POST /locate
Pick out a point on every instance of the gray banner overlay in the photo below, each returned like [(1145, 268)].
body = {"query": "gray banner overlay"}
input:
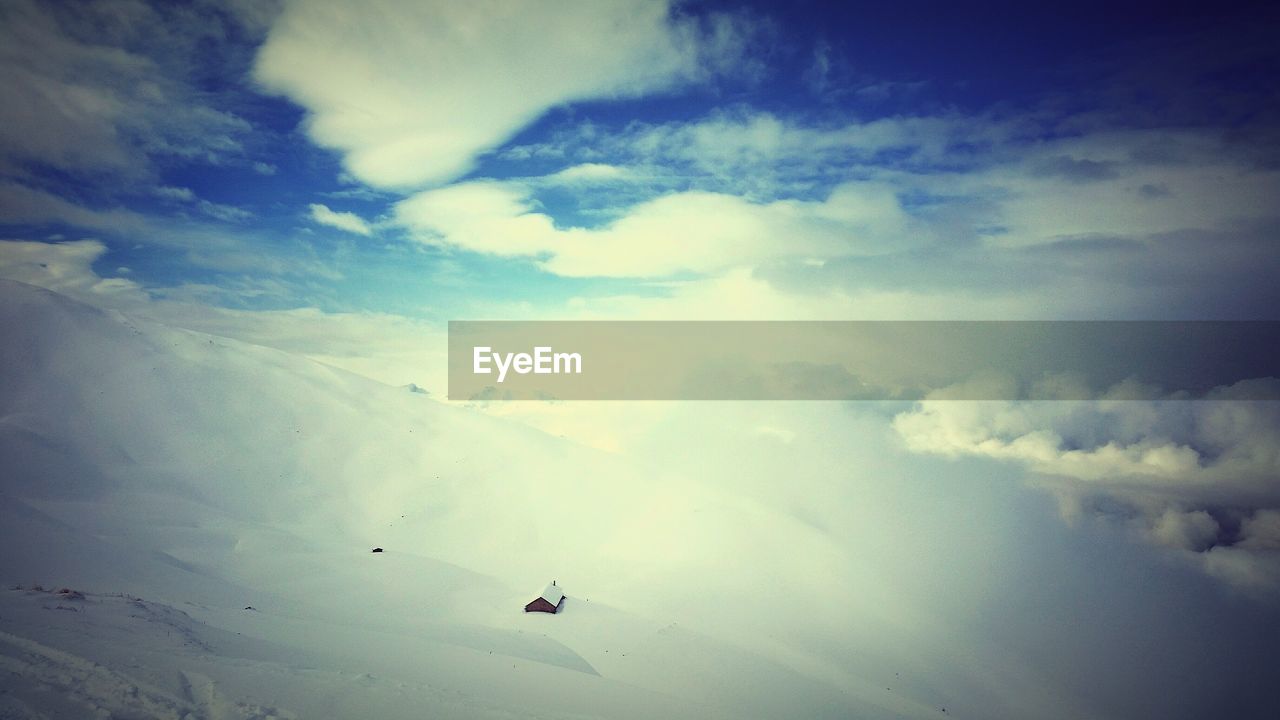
[(1035, 360)]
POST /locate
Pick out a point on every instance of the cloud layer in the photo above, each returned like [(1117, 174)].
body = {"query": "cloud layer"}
[(1200, 477)]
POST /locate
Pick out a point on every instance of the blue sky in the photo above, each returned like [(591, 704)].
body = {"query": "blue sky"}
[(284, 158)]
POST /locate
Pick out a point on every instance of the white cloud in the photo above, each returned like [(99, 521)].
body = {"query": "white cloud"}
[(218, 211), (681, 232), (590, 173), (349, 222), (169, 192), (724, 141), (412, 92), (66, 268)]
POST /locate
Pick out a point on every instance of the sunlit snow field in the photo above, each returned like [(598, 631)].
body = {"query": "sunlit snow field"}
[(187, 526), (177, 479)]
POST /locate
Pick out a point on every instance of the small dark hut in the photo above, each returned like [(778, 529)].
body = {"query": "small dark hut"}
[(550, 601)]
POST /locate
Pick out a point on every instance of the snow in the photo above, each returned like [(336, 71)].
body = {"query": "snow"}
[(551, 593), (174, 478)]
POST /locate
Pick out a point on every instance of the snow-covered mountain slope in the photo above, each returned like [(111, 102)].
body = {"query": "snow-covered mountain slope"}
[(177, 479)]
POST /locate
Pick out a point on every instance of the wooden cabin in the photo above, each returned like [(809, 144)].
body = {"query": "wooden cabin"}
[(550, 601)]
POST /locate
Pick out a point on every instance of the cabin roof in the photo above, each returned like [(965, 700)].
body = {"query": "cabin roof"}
[(552, 594)]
